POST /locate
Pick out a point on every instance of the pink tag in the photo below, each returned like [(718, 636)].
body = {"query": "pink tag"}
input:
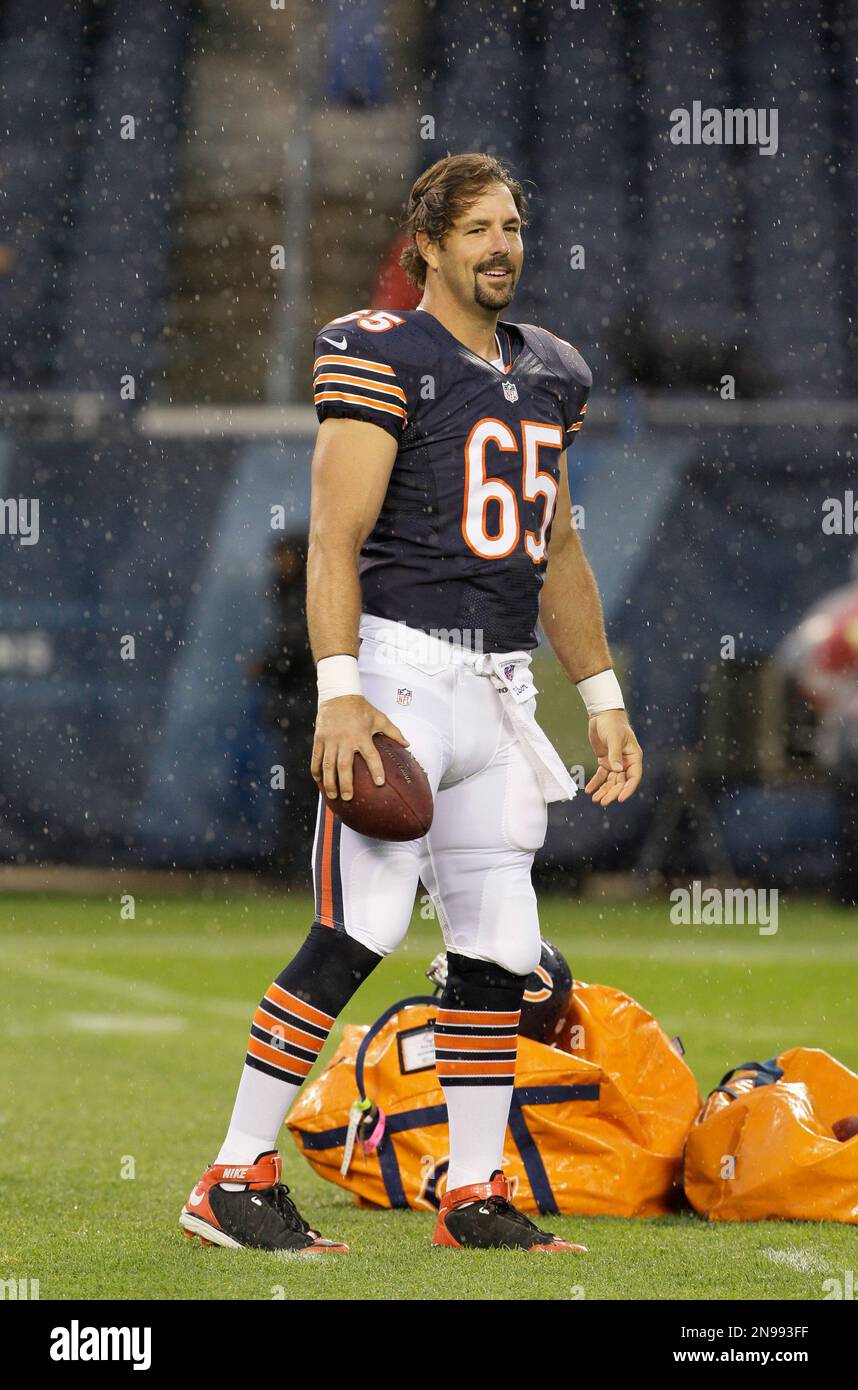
[(368, 1146)]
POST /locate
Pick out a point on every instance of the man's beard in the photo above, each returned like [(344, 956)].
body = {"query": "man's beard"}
[(493, 299), (499, 296)]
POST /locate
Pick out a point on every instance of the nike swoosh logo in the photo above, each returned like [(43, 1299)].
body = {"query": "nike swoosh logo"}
[(195, 1199), (334, 342)]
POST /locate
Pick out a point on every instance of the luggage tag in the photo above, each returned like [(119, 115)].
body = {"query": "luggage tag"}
[(357, 1112)]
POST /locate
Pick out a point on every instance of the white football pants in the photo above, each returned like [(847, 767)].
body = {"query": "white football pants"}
[(490, 812)]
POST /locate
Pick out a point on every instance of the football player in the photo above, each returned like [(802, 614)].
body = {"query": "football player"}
[(441, 532)]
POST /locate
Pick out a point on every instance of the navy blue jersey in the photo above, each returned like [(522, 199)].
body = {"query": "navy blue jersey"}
[(459, 547)]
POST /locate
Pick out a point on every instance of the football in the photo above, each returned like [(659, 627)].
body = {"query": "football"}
[(401, 809), (846, 1128)]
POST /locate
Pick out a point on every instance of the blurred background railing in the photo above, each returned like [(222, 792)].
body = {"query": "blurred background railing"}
[(706, 540)]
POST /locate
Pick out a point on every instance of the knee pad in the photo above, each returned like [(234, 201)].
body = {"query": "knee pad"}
[(328, 969), (520, 954), (481, 985)]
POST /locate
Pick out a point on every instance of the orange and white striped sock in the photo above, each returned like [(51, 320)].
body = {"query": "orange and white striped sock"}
[(476, 1045), (289, 1030)]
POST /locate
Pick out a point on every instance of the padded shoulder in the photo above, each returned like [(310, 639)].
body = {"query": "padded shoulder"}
[(386, 335), (559, 356)]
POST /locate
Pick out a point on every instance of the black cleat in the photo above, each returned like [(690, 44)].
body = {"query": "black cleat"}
[(482, 1217), (260, 1217)]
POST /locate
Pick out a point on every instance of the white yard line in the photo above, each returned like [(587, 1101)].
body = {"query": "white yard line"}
[(804, 1261), (759, 950), (755, 950), (173, 945), (123, 1023), (126, 991), (132, 992), (64, 1023)]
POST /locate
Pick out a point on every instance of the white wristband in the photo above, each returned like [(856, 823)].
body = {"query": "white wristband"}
[(337, 675), (601, 692)]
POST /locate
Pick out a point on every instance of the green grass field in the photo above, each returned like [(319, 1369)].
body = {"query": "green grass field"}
[(126, 1038)]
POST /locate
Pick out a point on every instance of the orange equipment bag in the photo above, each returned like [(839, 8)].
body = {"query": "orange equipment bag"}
[(596, 1124), (763, 1146)]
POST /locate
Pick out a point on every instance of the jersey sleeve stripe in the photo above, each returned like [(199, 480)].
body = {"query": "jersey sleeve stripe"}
[(363, 384), (337, 359), (364, 401), (576, 425)]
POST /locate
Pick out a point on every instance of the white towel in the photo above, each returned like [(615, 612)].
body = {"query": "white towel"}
[(513, 680)]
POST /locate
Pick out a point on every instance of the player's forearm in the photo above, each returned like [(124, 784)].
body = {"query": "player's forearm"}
[(570, 611), (333, 599)]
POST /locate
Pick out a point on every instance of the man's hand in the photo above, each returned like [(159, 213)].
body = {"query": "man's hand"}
[(345, 726), (620, 758)]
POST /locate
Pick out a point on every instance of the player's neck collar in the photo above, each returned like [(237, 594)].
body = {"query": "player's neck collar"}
[(513, 337)]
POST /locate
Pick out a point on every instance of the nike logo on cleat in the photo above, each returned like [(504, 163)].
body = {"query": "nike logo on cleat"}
[(230, 1173), (195, 1198)]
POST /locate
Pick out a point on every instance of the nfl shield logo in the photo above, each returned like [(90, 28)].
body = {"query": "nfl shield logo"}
[(509, 672), (403, 696), (509, 391)]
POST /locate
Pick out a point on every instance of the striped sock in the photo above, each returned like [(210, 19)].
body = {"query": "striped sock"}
[(286, 1036), (476, 1044), (289, 1030)]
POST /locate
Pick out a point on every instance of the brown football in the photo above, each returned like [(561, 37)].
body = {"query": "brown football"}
[(401, 809), (846, 1128)]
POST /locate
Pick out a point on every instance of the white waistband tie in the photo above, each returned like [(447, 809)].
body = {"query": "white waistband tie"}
[(512, 678)]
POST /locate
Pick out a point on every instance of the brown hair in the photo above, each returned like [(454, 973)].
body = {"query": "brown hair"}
[(442, 193)]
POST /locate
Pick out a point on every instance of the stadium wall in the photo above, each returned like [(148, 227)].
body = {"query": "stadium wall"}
[(164, 535)]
